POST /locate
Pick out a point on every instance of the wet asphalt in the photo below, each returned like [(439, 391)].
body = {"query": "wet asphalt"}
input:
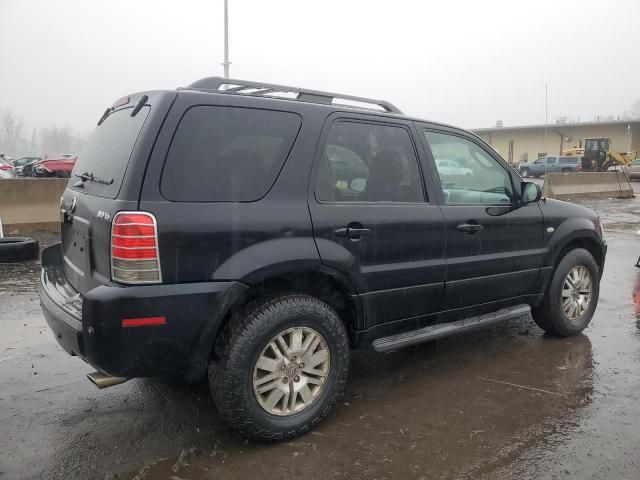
[(508, 402)]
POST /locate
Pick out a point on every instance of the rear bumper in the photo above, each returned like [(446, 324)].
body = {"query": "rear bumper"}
[(90, 325)]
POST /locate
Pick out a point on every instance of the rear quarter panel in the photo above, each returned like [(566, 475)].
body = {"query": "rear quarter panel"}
[(244, 241)]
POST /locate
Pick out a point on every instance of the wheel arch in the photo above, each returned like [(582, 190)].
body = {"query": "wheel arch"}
[(587, 241), (314, 279)]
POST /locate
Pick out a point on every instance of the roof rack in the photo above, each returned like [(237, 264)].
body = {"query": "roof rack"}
[(234, 86)]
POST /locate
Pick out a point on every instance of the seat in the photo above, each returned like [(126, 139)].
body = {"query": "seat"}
[(385, 175)]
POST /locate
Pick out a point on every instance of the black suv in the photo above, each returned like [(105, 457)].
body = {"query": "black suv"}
[(256, 233)]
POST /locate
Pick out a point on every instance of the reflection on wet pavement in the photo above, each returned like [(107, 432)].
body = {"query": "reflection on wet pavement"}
[(509, 402), (636, 296), (419, 412)]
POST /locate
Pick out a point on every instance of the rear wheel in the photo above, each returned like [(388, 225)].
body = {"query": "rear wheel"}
[(572, 296), (280, 366)]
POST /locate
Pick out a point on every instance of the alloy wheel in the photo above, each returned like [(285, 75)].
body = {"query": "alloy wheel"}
[(577, 292), (291, 371)]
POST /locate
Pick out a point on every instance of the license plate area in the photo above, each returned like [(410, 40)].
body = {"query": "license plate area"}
[(76, 250)]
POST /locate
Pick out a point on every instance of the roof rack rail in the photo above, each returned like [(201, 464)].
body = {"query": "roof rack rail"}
[(230, 85)]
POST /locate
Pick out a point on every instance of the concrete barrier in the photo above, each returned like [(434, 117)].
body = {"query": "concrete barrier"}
[(28, 204), (564, 186)]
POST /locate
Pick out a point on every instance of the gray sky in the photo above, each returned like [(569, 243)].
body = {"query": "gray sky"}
[(468, 63)]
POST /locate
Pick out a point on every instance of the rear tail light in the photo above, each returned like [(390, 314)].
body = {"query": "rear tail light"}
[(134, 248), (5, 167)]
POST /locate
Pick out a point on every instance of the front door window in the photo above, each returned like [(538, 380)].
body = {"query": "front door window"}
[(468, 174)]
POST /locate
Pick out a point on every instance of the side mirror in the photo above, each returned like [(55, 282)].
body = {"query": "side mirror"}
[(530, 192)]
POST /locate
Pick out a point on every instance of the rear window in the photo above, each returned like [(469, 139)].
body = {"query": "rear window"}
[(107, 152), (223, 154)]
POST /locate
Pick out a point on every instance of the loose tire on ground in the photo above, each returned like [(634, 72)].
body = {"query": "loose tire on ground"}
[(232, 371), (17, 249), (550, 315)]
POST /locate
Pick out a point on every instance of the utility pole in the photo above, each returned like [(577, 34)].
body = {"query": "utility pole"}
[(226, 62), (546, 115)]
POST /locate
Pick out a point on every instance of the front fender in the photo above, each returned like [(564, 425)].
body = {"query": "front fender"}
[(570, 230)]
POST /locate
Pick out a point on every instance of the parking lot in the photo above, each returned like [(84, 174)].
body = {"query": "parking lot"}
[(508, 402)]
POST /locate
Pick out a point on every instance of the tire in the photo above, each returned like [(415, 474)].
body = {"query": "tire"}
[(233, 371), (525, 173), (610, 164), (17, 249), (550, 314)]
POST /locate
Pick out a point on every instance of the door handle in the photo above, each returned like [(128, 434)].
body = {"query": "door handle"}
[(353, 233), (358, 232), (470, 228)]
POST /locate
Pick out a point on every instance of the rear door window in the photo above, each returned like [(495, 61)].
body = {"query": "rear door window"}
[(107, 152), (368, 162), (222, 154), (568, 160)]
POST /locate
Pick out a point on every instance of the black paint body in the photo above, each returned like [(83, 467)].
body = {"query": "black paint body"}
[(415, 267)]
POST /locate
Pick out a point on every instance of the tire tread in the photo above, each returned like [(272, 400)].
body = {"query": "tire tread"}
[(548, 315), (228, 366)]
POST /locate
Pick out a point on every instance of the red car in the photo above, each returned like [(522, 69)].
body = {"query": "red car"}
[(6, 169), (58, 166)]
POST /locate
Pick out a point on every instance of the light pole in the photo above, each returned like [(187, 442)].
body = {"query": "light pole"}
[(546, 114), (226, 62)]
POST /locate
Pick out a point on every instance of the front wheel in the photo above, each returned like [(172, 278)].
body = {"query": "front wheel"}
[(525, 173), (280, 366), (611, 166), (571, 298)]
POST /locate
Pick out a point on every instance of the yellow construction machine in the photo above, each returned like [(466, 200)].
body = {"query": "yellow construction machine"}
[(598, 157)]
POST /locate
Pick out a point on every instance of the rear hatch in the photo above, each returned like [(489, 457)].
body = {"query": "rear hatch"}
[(107, 178)]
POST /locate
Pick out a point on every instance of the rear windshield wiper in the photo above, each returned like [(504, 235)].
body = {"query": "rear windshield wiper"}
[(90, 176)]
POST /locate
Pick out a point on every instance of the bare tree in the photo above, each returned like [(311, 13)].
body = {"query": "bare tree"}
[(635, 110), (33, 145), (10, 130), (48, 140)]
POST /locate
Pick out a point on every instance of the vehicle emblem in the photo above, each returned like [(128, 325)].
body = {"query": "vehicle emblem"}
[(73, 205), (103, 215)]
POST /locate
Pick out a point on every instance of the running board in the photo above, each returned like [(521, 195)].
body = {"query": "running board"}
[(433, 332)]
